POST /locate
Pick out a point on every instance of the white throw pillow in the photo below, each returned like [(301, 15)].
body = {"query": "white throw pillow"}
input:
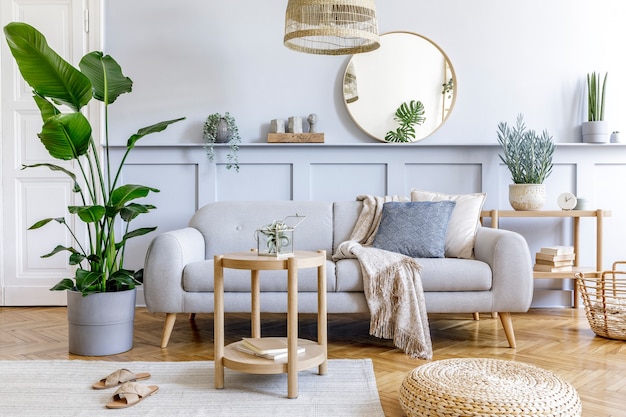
[(464, 220)]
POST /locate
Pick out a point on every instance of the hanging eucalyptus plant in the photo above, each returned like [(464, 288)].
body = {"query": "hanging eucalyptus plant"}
[(212, 136)]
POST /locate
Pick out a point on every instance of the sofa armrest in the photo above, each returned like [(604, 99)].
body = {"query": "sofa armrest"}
[(165, 261), (509, 257)]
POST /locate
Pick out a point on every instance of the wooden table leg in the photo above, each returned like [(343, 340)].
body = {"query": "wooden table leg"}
[(576, 223), (256, 303), (321, 314), (218, 320), (292, 328)]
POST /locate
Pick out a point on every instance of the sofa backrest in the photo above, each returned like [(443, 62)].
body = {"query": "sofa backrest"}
[(229, 226), (345, 214)]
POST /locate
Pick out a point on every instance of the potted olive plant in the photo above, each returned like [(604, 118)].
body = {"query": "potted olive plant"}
[(106, 206), (528, 156), (595, 129)]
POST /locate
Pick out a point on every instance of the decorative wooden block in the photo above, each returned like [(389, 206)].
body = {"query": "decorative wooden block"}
[(295, 138)]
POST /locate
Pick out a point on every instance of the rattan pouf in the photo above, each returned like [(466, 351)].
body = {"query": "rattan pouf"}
[(486, 387)]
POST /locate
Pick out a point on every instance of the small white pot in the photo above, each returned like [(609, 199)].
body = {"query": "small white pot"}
[(527, 196)]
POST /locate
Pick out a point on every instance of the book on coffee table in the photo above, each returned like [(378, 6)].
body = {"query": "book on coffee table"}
[(272, 356), (265, 345)]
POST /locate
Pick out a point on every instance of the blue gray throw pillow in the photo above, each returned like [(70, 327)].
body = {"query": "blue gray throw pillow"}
[(415, 229)]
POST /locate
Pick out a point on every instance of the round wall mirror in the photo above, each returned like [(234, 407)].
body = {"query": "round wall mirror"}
[(407, 67)]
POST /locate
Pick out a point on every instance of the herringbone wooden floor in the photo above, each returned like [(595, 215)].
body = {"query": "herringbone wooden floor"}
[(559, 340)]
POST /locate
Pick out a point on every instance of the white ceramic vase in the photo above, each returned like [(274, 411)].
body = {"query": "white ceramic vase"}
[(527, 196)]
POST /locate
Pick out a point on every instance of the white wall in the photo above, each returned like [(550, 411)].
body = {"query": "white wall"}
[(192, 58), (196, 57)]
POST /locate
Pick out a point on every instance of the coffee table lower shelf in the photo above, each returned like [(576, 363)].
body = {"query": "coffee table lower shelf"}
[(313, 355)]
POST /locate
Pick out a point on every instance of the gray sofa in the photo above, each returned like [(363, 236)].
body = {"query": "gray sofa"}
[(178, 274)]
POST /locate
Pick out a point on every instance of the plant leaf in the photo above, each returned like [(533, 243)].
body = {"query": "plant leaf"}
[(66, 136), (44, 70), (64, 284), (44, 222), (86, 279), (54, 167), (106, 77), (59, 248), (122, 195), (123, 279), (133, 210), (88, 214), (158, 127), (46, 108)]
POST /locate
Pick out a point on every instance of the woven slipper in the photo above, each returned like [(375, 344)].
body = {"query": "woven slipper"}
[(130, 393), (119, 377)]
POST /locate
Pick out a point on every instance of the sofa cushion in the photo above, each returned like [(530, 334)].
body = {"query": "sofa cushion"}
[(438, 275), (416, 229), (464, 220), (198, 277)]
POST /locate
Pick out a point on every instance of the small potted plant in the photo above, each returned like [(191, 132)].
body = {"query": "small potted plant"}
[(528, 156), (595, 129), (222, 129)]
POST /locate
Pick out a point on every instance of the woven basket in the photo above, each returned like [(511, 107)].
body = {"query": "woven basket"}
[(605, 302)]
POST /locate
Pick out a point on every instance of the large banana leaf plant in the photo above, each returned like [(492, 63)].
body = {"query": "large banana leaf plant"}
[(61, 92)]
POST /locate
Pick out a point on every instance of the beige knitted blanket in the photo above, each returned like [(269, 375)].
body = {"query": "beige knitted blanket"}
[(392, 284)]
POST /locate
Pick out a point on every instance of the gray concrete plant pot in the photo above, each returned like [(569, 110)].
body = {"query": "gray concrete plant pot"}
[(101, 324), (596, 132)]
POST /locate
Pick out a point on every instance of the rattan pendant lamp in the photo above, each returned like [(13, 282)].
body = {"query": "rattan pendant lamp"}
[(331, 27)]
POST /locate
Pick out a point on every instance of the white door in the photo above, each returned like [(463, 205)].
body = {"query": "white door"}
[(72, 28)]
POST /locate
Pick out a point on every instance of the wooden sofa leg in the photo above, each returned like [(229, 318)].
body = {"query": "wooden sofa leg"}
[(507, 324), (170, 319), (476, 316)]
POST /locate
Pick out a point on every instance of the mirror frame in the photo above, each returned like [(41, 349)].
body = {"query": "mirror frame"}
[(388, 70)]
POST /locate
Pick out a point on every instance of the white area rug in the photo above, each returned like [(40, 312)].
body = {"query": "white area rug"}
[(63, 388)]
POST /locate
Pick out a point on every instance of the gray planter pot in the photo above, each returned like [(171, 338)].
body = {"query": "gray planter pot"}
[(101, 324), (596, 132)]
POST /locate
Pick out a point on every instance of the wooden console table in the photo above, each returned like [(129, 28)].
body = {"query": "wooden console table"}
[(575, 215)]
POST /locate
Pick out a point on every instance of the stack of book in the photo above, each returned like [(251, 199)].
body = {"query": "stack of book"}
[(555, 259), (273, 348)]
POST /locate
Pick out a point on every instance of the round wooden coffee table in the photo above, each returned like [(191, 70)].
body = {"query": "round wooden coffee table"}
[(315, 353)]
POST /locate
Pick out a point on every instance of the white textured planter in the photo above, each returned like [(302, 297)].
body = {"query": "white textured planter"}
[(100, 324), (596, 132), (527, 196)]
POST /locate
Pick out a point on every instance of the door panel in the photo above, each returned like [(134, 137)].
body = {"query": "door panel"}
[(32, 194)]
